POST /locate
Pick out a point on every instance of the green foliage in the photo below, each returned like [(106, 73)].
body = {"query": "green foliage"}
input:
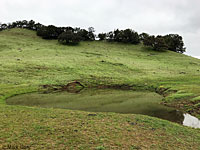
[(143, 36), (124, 36), (102, 36), (157, 43), (197, 105), (172, 42), (69, 38), (91, 34), (175, 43), (48, 32), (195, 99), (177, 96), (83, 34)]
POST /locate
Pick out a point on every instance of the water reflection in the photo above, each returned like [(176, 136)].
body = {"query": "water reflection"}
[(170, 114), (191, 121), (107, 100)]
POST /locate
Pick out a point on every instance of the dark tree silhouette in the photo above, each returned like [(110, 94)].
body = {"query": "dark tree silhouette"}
[(31, 24), (117, 35), (124, 36), (110, 36), (102, 36), (143, 36), (4, 26), (91, 34), (49, 32), (83, 34), (157, 43), (175, 43), (69, 38)]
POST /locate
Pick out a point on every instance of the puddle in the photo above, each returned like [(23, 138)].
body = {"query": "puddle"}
[(107, 100)]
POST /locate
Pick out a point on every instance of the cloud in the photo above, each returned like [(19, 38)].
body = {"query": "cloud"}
[(151, 16)]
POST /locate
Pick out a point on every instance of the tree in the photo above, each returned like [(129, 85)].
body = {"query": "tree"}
[(175, 43), (83, 34), (91, 34), (117, 35), (19, 24), (43, 32), (130, 36), (110, 36), (143, 36), (69, 38), (30, 25), (48, 32), (4, 26), (159, 44), (102, 36), (13, 25), (24, 24)]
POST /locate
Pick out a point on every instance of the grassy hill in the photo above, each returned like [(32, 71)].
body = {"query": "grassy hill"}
[(27, 62)]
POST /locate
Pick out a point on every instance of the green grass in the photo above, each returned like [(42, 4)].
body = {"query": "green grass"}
[(178, 96), (27, 62), (196, 99), (60, 129)]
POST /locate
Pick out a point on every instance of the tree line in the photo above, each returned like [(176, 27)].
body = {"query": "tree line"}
[(172, 42), (70, 35)]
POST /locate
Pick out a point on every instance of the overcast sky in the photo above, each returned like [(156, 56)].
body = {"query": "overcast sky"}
[(151, 16)]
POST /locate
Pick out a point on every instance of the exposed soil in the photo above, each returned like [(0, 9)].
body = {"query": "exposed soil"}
[(72, 87), (185, 106)]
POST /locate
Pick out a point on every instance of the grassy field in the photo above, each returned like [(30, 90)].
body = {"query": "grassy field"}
[(27, 62)]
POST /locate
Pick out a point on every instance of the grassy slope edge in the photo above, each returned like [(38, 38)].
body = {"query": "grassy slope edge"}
[(26, 62)]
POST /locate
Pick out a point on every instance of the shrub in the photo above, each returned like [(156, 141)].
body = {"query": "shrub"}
[(102, 36), (175, 43), (143, 36), (157, 43), (48, 32), (69, 38), (124, 36)]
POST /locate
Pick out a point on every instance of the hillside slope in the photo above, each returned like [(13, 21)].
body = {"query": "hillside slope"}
[(28, 62)]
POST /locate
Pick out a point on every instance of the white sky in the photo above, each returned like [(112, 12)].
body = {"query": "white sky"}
[(151, 16)]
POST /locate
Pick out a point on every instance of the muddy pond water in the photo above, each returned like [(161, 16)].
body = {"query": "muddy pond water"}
[(107, 100)]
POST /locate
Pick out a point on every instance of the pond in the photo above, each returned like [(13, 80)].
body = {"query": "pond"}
[(107, 100)]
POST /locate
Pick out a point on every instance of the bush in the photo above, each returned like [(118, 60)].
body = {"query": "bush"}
[(48, 32), (83, 34), (102, 36), (143, 36), (110, 36), (175, 43), (124, 36), (157, 43), (69, 38), (172, 42), (91, 34)]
